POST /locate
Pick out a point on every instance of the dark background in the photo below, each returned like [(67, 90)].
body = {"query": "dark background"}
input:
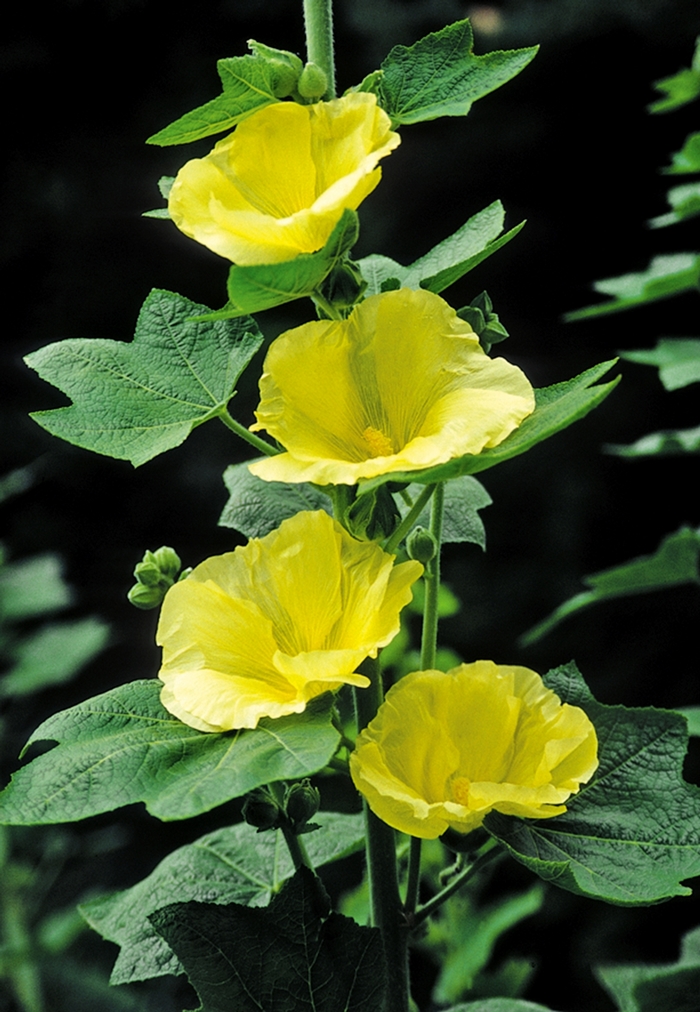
[(567, 145)]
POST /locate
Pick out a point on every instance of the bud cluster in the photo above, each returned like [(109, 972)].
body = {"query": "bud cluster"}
[(155, 574)]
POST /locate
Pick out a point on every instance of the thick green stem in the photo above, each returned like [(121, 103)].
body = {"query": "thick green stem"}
[(318, 22), (250, 437), (386, 909), (427, 662)]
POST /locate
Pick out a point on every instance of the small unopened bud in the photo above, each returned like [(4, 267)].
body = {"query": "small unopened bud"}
[(313, 82), (168, 561), (145, 597), (261, 811), (284, 78), (301, 802), (421, 545), (155, 574)]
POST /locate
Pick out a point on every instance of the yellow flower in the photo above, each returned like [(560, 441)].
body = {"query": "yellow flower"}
[(402, 384), (260, 631), (278, 185), (446, 749)]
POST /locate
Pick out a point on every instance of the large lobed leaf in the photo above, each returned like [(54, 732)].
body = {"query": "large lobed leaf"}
[(556, 408), (134, 401), (123, 747), (440, 75), (464, 497), (667, 275), (675, 562), (632, 835), (445, 263), (289, 956), (668, 987), (231, 865)]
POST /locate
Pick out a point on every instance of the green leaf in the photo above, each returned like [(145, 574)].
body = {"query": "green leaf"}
[(684, 202), (249, 83), (632, 834), (679, 89), (52, 655), (499, 1005), (256, 507), (645, 987), (283, 958), (667, 275), (262, 286), (32, 587), (677, 359), (688, 158), (476, 240), (556, 408), (123, 747), (669, 443), (231, 865), (692, 715), (441, 76), (461, 522), (134, 401), (469, 937), (674, 563)]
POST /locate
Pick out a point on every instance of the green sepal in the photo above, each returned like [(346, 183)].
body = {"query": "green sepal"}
[(684, 202), (648, 987), (293, 954), (262, 286), (679, 89), (447, 262), (687, 159), (256, 507), (123, 747), (674, 563), (440, 75), (249, 83), (556, 408), (676, 358), (372, 517), (667, 275), (135, 401), (631, 835), (484, 322), (668, 443), (230, 865)]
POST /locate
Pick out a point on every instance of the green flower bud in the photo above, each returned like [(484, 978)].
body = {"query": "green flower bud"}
[(344, 286), (145, 597), (284, 78), (168, 561), (313, 82), (261, 810), (421, 545), (301, 802), (484, 322), (374, 516)]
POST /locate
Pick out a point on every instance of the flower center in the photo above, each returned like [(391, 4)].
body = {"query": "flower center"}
[(459, 788), (379, 444)]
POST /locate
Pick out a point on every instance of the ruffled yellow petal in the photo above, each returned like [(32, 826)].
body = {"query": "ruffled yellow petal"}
[(445, 749), (402, 384), (278, 185), (260, 631)]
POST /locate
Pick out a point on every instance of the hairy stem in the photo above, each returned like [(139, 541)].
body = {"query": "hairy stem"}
[(318, 22)]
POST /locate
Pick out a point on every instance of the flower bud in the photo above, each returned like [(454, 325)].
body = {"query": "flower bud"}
[(284, 78), (155, 574), (344, 285), (260, 810), (301, 803), (421, 545), (313, 82), (484, 322), (373, 516)]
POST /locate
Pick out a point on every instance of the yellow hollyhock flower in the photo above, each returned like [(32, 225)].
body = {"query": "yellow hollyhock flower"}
[(402, 384), (260, 631), (278, 185), (446, 749)]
